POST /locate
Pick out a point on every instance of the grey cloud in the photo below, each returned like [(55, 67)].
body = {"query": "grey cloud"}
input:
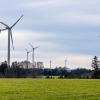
[(72, 26)]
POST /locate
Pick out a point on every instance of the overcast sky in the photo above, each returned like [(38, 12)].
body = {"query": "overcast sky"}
[(62, 28)]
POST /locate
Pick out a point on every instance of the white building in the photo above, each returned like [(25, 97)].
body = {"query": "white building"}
[(40, 65)]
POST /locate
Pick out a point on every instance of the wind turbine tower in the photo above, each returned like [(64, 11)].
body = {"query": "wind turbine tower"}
[(66, 62), (51, 68), (33, 58), (27, 57), (9, 28), (50, 64)]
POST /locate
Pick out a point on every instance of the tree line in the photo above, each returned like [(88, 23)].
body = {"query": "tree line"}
[(61, 72)]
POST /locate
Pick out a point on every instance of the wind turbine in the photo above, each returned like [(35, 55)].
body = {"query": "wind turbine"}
[(65, 62), (9, 28), (27, 56), (50, 64), (33, 49), (51, 68)]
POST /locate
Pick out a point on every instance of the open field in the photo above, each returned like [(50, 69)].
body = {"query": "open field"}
[(49, 89)]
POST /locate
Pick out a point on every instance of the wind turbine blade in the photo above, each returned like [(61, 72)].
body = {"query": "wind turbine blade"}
[(3, 29), (26, 49), (31, 45), (4, 24), (16, 21), (12, 40), (36, 47)]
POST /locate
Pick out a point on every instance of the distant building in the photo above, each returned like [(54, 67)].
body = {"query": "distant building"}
[(24, 64), (40, 65)]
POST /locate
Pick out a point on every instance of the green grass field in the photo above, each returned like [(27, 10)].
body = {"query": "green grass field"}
[(49, 89)]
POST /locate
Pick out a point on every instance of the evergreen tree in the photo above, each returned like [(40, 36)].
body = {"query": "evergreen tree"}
[(96, 67)]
